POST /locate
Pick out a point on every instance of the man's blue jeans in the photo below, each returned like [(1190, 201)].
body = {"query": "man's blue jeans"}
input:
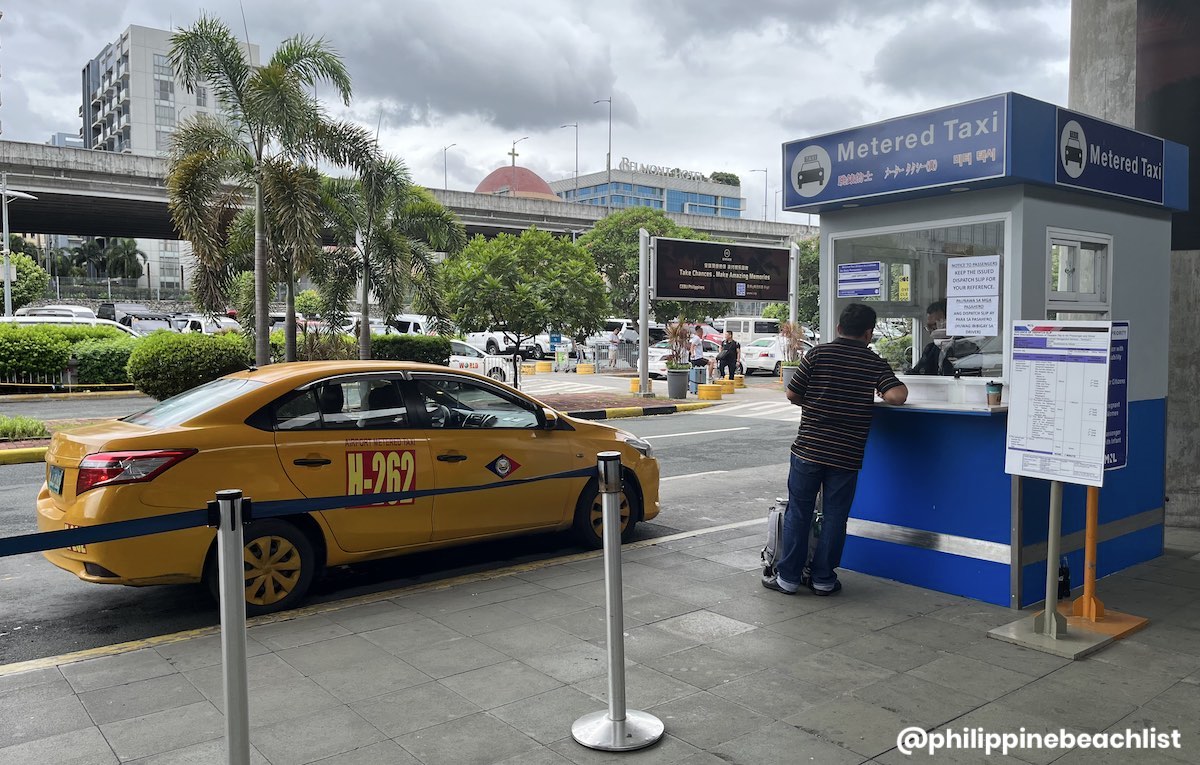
[(805, 480)]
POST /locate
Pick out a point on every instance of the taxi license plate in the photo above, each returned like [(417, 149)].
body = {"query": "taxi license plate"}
[(56, 479)]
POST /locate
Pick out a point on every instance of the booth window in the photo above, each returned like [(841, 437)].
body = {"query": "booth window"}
[(1077, 276), (913, 268)]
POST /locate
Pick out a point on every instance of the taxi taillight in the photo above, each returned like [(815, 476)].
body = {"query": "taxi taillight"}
[(109, 468)]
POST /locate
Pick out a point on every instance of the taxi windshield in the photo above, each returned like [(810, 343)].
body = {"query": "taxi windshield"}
[(194, 402)]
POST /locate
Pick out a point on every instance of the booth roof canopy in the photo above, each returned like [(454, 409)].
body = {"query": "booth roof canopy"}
[(998, 140)]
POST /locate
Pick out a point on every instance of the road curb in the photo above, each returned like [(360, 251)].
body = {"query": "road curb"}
[(617, 412), (22, 456), (72, 396)]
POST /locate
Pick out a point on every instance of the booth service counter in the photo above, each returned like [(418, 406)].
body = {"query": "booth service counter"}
[(954, 224)]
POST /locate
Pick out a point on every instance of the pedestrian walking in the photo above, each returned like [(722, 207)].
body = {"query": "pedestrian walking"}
[(834, 388)]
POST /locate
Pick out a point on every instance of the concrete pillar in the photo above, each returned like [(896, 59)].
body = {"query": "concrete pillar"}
[(1137, 63)]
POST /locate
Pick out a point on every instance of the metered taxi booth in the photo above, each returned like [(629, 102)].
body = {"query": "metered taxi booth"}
[(955, 225)]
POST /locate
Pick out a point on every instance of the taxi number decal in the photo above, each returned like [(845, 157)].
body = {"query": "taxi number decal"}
[(381, 472)]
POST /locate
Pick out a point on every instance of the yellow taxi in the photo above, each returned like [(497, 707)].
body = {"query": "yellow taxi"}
[(322, 429)]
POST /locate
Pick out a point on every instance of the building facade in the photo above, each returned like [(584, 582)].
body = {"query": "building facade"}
[(662, 188), (131, 103)]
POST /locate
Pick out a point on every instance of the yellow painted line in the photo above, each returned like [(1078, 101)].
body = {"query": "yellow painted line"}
[(22, 456), (323, 608), (694, 405)]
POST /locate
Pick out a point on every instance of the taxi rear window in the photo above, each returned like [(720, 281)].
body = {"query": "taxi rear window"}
[(193, 403)]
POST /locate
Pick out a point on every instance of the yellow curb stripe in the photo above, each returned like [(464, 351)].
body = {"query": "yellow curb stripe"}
[(359, 600), (22, 456), (624, 411)]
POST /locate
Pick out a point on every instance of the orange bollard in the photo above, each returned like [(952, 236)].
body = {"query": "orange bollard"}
[(1088, 605)]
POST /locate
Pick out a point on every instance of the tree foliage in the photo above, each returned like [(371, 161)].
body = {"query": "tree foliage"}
[(31, 280), (729, 179), (524, 285), (614, 245), (308, 303), (810, 288), (123, 259)]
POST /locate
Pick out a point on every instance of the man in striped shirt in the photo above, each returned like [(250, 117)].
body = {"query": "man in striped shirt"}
[(835, 388)]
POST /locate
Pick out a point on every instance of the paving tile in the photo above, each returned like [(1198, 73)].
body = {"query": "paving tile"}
[(55, 688), (450, 657), (1168, 721), (164, 731), (474, 740), (305, 739), (818, 629), (773, 694), (590, 624), (705, 594), (120, 702), (500, 684), (1133, 686), (473, 595), (565, 577), (918, 700), (935, 633), (571, 662), (852, 724), (417, 633), (195, 653), (1094, 756), (888, 652), (703, 667), (978, 678), (651, 608), (758, 610), (649, 642), (372, 616), (39, 718), (704, 570), (204, 753), (668, 751), (998, 718), (296, 632), (644, 687), (669, 560), (835, 672), (975, 614), (85, 746), (742, 560), (546, 604), (866, 613), (476, 621), (1057, 702), (1181, 697), (528, 639), (705, 720), (266, 669), (353, 668), (29, 679), (784, 744), (421, 706), (548, 716), (287, 699), (704, 626), (536, 757), (92, 674), (375, 754), (1017, 658)]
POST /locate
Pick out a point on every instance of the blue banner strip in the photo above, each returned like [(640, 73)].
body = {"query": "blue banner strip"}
[(190, 519)]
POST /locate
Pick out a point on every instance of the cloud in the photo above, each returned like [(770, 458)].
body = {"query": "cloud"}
[(823, 114)]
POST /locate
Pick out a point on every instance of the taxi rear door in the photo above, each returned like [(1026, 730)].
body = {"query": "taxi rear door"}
[(483, 434), (350, 435)]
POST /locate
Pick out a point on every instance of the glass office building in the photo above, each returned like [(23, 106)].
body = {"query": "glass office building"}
[(688, 194)]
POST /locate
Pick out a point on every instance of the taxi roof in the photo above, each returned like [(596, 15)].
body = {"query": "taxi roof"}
[(297, 369)]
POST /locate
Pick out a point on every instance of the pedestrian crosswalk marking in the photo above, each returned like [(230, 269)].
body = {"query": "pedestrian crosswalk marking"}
[(535, 387), (766, 410)]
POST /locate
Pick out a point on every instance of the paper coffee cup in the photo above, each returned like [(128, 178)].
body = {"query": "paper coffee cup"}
[(995, 392)]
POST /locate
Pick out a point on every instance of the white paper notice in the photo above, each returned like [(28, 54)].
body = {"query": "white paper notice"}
[(1058, 401), (978, 315), (973, 276)]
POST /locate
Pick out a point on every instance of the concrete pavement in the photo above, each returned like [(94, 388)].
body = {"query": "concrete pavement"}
[(494, 668)]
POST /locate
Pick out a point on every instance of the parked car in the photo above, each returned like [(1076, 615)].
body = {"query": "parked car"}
[(499, 343), (767, 354), (57, 310), (68, 321), (464, 356), (656, 356), (747, 329), (117, 311), (143, 323), (209, 325)]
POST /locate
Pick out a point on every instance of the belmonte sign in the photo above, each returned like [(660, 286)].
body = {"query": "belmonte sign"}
[(670, 172)]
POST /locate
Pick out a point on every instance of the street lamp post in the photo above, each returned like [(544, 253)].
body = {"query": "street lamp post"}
[(7, 195), (608, 156), (576, 126), (766, 177), (512, 189), (445, 173), (776, 210)]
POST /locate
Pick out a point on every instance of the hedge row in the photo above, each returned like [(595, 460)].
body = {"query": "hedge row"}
[(44, 349), (165, 364), (429, 349)]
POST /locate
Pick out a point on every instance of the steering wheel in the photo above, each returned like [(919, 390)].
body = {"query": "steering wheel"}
[(439, 416)]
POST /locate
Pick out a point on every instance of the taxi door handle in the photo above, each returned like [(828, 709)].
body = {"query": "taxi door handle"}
[(451, 457), (311, 461)]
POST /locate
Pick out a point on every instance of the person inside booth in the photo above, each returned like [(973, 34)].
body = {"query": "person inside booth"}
[(930, 362)]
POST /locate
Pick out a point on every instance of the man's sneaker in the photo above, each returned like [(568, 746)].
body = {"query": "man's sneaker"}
[(771, 582), (837, 587)]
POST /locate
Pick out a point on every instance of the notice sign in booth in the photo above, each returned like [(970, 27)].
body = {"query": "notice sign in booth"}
[(686, 269)]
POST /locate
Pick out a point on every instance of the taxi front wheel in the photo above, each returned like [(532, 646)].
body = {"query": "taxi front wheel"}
[(279, 565), (589, 515)]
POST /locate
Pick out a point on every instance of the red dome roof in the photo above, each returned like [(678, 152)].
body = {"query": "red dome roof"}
[(527, 183)]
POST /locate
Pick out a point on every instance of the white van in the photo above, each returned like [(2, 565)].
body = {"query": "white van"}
[(747, 329)]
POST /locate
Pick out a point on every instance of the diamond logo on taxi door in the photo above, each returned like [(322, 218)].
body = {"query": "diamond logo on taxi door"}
[(503, 466)]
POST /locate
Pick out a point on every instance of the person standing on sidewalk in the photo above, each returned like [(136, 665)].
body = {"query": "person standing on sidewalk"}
[(614, 341), (729, 356), (696, 355), (834, 388)]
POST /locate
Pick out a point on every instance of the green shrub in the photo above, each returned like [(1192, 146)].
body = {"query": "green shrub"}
[(78, 333), (315, 346), (16, 428), (428, 349), (104, 362), (896, 351), (30, 350), (165, 364)]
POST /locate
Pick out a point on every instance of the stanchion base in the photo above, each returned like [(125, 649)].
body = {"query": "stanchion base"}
[(637, 731), (1074, 645), (1114, 623)]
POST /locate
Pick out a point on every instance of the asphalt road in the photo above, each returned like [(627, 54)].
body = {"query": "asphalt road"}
[(716, 469)]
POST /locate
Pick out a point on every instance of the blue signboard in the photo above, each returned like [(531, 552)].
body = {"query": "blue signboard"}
[(1116, 436), (859, 279), (965, 142), (1110, 159)]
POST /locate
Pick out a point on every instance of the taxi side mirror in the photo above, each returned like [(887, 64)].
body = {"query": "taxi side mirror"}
[(549, 418)]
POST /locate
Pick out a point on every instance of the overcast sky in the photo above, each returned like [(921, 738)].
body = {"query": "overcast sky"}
[(698, 84)]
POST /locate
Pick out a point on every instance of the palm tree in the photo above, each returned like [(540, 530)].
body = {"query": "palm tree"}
[(391, 229), (271, 123), (123, 259), (89, 256)]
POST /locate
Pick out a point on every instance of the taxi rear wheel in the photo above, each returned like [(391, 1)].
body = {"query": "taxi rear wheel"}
[(279, 566), (589, 515)]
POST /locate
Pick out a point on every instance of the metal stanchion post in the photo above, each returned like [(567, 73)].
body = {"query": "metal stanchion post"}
[(618, 729), (232, 577), (1050, 622)]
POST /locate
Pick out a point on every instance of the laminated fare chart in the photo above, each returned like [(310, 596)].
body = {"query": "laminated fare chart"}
[(1058, 409)]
